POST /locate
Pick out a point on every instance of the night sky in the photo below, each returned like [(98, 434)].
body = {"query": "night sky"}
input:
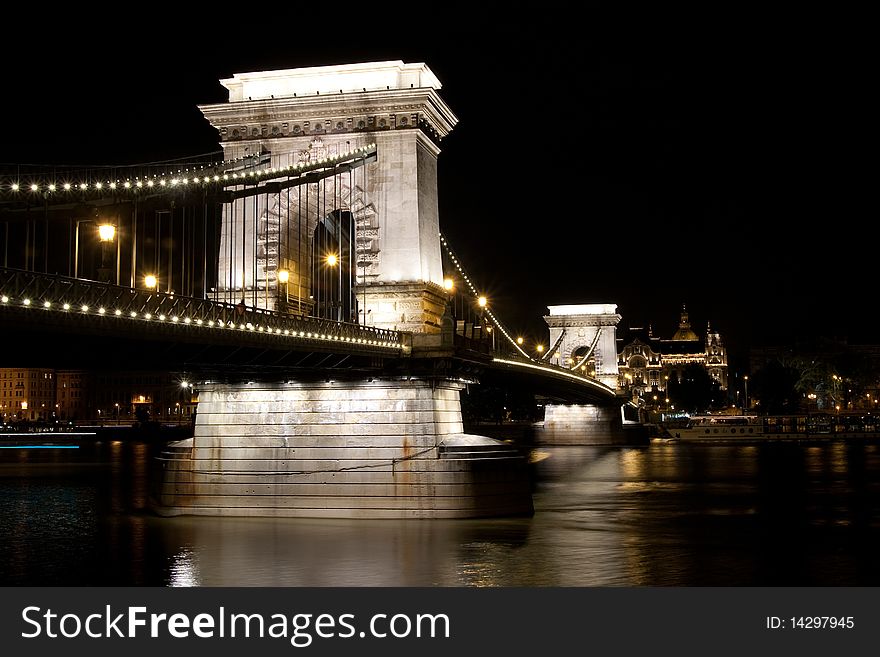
[(706, 160)]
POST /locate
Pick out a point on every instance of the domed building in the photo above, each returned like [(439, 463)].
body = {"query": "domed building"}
[(684, 332), (648, 363)]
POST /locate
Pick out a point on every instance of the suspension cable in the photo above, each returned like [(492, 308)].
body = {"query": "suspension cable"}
[(473, 290)]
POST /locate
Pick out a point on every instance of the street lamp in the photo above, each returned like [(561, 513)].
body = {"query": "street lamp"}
[(448, 284), (332, 260), (481, 302), (106, 233), (284, 277), (150, 281), (746, 381)]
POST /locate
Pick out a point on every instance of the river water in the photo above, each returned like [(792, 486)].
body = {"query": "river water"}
[(659, 515)]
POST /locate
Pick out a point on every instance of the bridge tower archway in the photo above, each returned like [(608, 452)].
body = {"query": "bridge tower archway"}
[(312, 115), (333, 280), (585, 336)]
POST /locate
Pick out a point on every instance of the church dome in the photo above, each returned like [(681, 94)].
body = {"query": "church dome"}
[(684, 331)]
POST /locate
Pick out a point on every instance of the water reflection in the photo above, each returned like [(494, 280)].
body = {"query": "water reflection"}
[(307, 552), (658, 515), (185, 568)]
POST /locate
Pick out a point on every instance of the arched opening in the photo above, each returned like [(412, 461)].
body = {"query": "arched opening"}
[(333, 273), (577, 355)]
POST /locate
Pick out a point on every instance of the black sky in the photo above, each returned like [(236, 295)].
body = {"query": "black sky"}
[(713, 160)]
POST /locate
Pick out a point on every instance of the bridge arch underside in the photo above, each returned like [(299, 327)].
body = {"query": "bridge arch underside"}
[(554, 386), (575, 413)]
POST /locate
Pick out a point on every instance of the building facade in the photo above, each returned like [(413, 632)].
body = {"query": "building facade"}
[(86, 397), (647, 364), (73, 399), (27, 393)]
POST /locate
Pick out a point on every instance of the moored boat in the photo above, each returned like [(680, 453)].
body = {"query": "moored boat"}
[(43, 439), (748, 428)]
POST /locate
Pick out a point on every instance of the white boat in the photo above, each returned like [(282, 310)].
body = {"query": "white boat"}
[(746, 428)]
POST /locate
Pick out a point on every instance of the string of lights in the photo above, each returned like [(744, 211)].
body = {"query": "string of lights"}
[(372, 337), (479, 297), (216, 174), (556, 370)]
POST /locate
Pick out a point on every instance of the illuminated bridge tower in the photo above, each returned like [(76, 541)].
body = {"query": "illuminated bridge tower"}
[(386, 214), (385, 441), (584, 337)]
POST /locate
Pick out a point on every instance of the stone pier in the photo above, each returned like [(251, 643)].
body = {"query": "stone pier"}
[(365, 449), (582, 424)]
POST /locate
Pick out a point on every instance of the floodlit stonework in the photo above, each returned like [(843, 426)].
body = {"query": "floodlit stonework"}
[(369, 449), (585, 337), (364, 447), (311, 113)]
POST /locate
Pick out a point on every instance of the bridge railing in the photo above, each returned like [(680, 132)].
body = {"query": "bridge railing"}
[(73, 295)]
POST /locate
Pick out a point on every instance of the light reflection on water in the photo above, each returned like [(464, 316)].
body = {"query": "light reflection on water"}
[(661, 515)]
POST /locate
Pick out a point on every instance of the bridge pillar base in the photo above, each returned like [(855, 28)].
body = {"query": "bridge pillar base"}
[(582, 424), (367, 449)]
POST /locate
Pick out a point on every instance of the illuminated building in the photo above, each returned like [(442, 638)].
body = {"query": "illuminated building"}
[(27, 393), (648, 363)]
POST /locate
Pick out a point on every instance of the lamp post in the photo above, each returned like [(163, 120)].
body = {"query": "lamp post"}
[(746, 381), (481, 302), (284, 277), (106, 233), (332, 260), (151, 282)]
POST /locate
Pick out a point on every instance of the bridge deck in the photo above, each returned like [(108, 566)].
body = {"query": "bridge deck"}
[(52, 299)]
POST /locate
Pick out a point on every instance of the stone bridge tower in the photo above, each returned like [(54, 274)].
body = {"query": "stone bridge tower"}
[(585, 335), (311, 113)]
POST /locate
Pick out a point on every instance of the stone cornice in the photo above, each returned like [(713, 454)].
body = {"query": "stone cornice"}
[(578, 321), (433, 113)]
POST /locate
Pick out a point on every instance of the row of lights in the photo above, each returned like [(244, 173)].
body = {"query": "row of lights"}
[(15, 186), (481, 300), (166, 180), (217, 323), (52, 187), (556, 370)]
